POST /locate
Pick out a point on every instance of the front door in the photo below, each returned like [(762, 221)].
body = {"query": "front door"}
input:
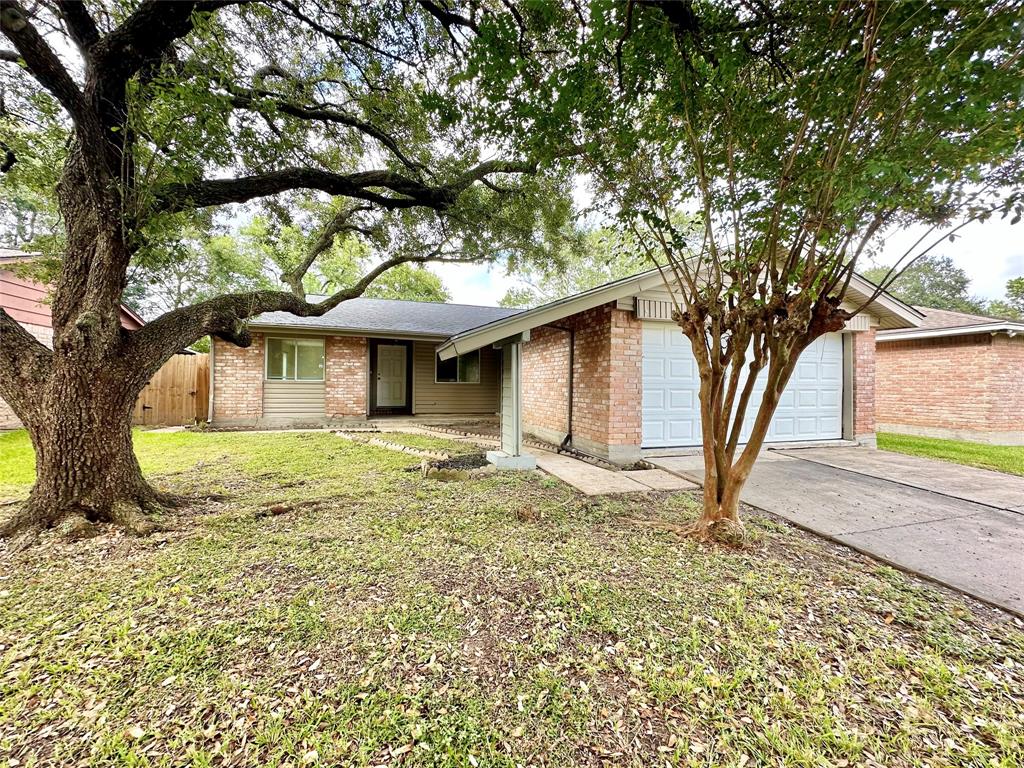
[(391, 376)]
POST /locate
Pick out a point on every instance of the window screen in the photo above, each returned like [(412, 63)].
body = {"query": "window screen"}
[(295, 359), (463, 369)]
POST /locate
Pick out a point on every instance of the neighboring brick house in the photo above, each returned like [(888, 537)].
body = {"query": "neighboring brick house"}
[(956, 376), (25, 300)]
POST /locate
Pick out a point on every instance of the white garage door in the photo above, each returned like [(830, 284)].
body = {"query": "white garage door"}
[(810, 408)]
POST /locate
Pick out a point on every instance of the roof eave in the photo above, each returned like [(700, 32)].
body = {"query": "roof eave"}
[(490, 333), (323, 330), (475, 338), (1010, 328)]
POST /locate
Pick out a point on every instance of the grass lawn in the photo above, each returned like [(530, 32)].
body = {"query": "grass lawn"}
[(1004, 458), (507, 621)]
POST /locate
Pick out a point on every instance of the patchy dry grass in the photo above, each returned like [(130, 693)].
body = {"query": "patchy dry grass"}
[(1003, 458), (401, 621)]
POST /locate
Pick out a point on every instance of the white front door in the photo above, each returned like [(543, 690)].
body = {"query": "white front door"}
[(391, 375), (810, 407)]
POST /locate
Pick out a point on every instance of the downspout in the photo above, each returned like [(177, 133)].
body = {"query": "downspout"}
[(567, 442)]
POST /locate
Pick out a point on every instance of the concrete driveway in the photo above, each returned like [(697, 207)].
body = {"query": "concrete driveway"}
[(959, 526)]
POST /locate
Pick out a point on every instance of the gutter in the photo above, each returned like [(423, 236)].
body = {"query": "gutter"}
[(994, 328), (329, 331)]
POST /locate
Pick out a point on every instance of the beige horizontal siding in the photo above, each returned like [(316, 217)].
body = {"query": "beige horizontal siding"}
[(431, 397), (293, 399)]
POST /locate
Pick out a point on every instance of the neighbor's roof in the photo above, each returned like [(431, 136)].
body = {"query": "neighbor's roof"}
[(946, 322), (891, 312), (8, 256), (390, 317)]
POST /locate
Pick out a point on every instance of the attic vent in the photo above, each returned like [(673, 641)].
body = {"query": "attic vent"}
[(650, 309), (858, 323)]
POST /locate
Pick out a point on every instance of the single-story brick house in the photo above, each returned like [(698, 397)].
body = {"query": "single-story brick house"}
[(605, 370), (25, 301), (956, 375)]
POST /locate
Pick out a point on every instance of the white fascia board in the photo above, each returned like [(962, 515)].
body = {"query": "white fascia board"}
[(1011, 329), (467, 341), (885, 301)]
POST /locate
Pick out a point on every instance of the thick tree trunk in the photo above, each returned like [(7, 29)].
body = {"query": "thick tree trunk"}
[(725, 475), (86, 470)]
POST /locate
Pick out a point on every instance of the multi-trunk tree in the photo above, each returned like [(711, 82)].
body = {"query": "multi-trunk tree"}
[(173, 108), (756, 150)]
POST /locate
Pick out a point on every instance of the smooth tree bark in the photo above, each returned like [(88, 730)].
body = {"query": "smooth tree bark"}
[(76, 400)]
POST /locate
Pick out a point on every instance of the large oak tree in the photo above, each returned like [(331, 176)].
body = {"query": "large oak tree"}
[(170, 109)]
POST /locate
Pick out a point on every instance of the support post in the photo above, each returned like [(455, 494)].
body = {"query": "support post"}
[(511, 455)]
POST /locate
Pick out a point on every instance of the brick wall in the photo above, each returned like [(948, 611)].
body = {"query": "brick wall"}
[(545, 383), (625, 392), (864, 375), (346, 371), (955, 386), (1006, 386), (238, 381), (606, 382)]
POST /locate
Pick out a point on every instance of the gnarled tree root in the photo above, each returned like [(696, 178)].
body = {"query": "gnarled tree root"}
[(130, 513), (721, 531)]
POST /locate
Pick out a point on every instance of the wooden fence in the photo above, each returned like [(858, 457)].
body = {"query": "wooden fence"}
[(178, 395)]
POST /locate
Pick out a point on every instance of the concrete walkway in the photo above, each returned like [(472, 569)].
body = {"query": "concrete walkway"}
[(596, 481), (956, 525)]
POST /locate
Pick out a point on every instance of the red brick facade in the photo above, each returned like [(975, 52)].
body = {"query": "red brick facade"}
[(864, 364), (969, 387), (238, 381), (545, 383), (238, 376), (606, 382), (346, 370)]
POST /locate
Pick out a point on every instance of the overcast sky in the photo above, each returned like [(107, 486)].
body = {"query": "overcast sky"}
[(989, 252)]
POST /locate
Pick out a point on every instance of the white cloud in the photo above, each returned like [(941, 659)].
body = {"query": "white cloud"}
[(479, 284), (990, 252)]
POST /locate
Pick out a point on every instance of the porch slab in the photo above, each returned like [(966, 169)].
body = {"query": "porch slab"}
[(590, 480)]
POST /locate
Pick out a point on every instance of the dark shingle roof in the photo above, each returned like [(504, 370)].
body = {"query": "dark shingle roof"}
[(391, 316), (947, 318)]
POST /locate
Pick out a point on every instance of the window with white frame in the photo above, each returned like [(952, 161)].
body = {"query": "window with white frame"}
[(461, 369), (295, 359)]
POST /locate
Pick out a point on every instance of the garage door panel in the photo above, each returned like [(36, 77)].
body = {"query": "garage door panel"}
[(810, 408), (654, 368), (682, 400), (654, 399), (682, 429)]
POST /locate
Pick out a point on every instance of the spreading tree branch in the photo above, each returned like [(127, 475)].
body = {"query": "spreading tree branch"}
[(81, 26), (341, 222), (41, 61), (251, 99), (23, 362), (411, 192), (225, 316)]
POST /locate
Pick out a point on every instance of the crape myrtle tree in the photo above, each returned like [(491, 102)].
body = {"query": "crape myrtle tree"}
[(756, 150), (171, 109)]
